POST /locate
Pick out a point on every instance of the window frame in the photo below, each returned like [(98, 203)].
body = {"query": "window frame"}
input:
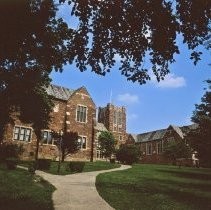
[(52, 139), (81, 144), (161, 144), (86, 113), (27, 137), (147, 146)]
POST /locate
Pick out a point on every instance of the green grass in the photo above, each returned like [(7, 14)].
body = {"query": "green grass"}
[(89, 166), (157, 187), (21, 191)]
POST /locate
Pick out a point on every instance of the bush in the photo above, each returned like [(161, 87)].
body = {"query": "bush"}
[(76, 166), (10, 151), (32, 167), (112, 160), (43, 164), (11, 163), (128, 154)]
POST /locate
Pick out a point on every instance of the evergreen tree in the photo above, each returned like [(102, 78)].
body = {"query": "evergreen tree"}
[(200, 138)]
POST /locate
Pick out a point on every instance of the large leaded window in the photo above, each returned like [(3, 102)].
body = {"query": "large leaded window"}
[(159, 147), (82, 142), (47, 137), (81, 114), (149, 148), (22, 133)]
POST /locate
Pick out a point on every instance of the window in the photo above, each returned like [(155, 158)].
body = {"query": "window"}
[(47, 137), (149, 148), (22, 134), (82, 142), (120, 138), (81, 113), (115, 128), (159, 147), (117, 117)]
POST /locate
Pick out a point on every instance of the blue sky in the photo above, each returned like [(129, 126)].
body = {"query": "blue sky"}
[(153, 105)]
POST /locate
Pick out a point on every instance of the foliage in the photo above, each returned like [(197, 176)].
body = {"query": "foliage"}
[(128, 154), (200, 138), (11, 163), (89, 166), (10, 151), (76, 166), (69, 143), (20, 191), (107, 143), (136, 31), (176, 149), (147, 187), (32, 45), (44, 164)]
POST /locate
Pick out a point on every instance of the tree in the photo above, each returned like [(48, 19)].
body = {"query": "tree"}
[(177, 149), (200, 138), (128, 154), (137, 31), (107, 143), (33, 43), (70, 144)]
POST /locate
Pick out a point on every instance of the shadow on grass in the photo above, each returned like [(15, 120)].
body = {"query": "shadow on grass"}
[(198, 175), (196, 196)]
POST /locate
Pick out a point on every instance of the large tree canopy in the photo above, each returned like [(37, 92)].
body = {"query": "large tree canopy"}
[(137, 31), (32, 43)]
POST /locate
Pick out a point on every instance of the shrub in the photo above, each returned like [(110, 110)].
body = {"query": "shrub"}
[(10, 151), (112, 160), (128, 154), (76, 166), (43, 164), (11, 163), (32, 167)]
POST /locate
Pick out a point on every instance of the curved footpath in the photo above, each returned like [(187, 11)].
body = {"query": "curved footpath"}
[(77, 191)]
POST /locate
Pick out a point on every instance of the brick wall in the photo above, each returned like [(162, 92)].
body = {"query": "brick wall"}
[(106, 116), (63, 118)]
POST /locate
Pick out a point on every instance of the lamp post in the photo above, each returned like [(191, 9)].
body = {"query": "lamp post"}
[(60, 149)]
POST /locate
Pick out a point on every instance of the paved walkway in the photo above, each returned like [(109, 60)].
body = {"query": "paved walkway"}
[(77, 191)]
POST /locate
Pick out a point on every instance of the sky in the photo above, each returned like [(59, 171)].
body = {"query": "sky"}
[(151, 106)]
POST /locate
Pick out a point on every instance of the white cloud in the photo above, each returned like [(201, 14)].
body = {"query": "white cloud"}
[(170, 81), (128, 98)]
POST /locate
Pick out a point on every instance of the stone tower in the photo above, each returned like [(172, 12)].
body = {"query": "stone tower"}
[(114, 119)]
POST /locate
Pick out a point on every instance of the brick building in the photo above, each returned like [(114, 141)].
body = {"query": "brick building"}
[(74, 111), (152, 143), (114, 119)]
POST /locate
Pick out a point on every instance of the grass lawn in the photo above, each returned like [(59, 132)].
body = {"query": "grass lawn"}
[(20, 191), (89, 166), (157, 187)]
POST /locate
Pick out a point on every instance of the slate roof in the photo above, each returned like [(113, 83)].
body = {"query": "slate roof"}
[(150, 136), (59, 92), (159, 134), (178, 130), (100, 127)]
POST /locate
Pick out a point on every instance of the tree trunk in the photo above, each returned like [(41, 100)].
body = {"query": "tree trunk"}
[(38, 135)]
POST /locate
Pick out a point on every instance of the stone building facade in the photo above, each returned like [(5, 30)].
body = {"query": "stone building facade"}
[(74, 111), (114, 119), (152, 143)]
